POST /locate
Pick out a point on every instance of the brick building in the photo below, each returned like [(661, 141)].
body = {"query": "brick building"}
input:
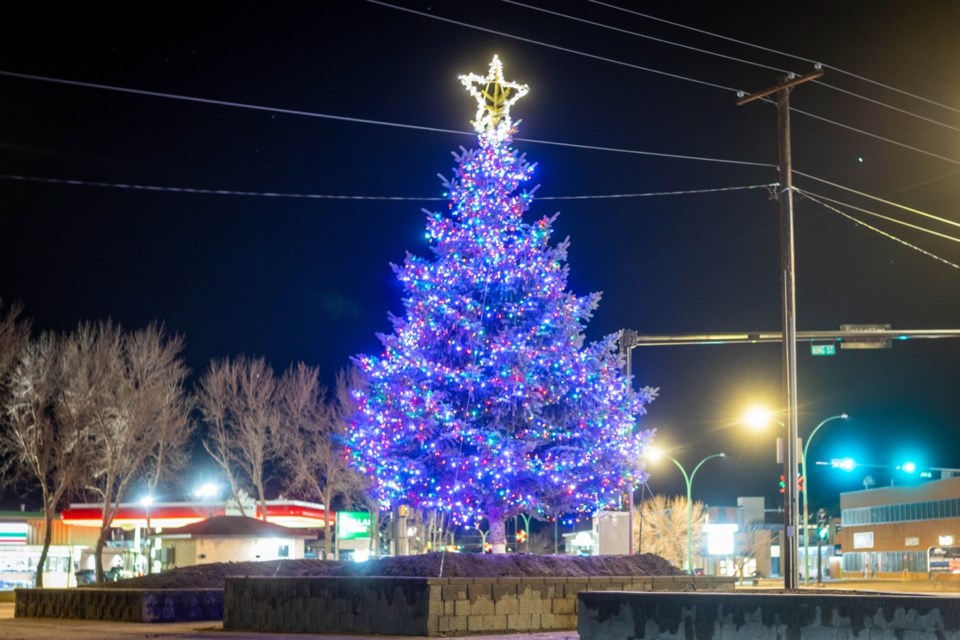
[(892, 530)]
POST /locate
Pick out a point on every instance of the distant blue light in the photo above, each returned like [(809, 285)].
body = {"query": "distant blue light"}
[(846, 464)]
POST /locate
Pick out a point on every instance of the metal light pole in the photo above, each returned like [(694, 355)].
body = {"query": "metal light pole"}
[(688, 479), (146, 501), (806, 486)]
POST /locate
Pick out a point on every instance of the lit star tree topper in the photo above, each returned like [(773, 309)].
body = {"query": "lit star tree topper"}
[(494, 97), (487, 401)]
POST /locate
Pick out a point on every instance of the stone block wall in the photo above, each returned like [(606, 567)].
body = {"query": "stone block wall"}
[(770, 616), (425, 606), (122, 605)]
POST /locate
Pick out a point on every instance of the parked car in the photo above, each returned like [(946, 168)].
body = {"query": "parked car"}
[(89, 576)]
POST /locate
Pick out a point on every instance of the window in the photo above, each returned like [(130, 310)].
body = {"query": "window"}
[(863, 540), (283, 551)]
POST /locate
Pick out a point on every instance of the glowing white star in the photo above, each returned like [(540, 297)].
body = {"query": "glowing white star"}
[(494, 97)]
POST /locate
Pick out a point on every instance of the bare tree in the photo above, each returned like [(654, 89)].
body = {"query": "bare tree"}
[(752, 543), (663, 523), (14, 335), (130, 387), (313, 428), (239, 403), (170, 406), (44, 438)]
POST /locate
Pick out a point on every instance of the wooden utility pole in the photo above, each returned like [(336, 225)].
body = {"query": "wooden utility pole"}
[(791, 515)]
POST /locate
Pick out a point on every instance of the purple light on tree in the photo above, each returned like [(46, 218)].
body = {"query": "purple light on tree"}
[(486, 401)]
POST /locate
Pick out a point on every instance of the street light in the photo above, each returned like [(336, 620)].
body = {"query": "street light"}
[(806, 487), (757, 418), (653, 454), (146, 501)]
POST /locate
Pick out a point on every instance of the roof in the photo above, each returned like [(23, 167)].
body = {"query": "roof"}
[(235, 527)]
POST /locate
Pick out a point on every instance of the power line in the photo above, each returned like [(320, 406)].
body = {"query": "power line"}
[(662, 193), (875, 136), (877, 215), (775, 51), (887, 106), (878, 199), (733, 59), (641, 68), (647, 37), (318, 196), (327, 116), (883, 233), (655, 154), (552, 46)]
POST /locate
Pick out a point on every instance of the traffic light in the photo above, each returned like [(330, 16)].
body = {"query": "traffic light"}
[(824, 532), (783, 483), (521, 536), (800, 484)]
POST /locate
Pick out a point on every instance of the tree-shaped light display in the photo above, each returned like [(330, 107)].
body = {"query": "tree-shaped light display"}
[(486, 400)]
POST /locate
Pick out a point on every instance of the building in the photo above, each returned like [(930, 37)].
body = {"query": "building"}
[(128, 548), (21, 542), (902, 529), (228, 539)]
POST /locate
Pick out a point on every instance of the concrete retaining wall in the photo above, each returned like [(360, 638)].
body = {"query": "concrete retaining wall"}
[(126, 605), (770, 616), (424, 606)]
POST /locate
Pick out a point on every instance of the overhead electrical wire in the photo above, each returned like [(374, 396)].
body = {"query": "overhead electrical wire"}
[(877, 199), (552, 46), (321, 196), (882, 232), (732, 58), (328, 116), (877, 215), (642, 68), (875, 136), (775, 51), (293, 112), (645, 36)]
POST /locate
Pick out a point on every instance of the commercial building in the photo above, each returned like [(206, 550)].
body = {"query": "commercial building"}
[(74, 536), (891, 531)]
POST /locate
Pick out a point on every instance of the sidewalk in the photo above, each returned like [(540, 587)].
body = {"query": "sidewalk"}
[(919, 583)]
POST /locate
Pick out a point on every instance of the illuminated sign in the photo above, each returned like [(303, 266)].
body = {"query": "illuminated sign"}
[(13, 533), (720, 539), (353, 525)]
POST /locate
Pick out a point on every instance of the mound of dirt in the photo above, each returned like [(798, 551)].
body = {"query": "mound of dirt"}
[(455, 565)]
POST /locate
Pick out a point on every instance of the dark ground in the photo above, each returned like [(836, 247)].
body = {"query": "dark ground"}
[(455, 565)]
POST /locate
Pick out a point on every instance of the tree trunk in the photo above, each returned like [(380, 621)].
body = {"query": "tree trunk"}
[(327, 529), (498, 534), (98, 553), (47, 537), (263, 502)]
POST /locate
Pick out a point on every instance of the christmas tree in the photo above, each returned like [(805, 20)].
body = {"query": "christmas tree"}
[(486, 401)]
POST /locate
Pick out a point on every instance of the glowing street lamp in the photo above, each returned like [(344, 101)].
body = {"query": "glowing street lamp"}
[(653, 454), (207, 490), (759, 417)]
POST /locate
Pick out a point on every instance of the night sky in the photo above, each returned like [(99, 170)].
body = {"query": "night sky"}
[(309, 279)]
